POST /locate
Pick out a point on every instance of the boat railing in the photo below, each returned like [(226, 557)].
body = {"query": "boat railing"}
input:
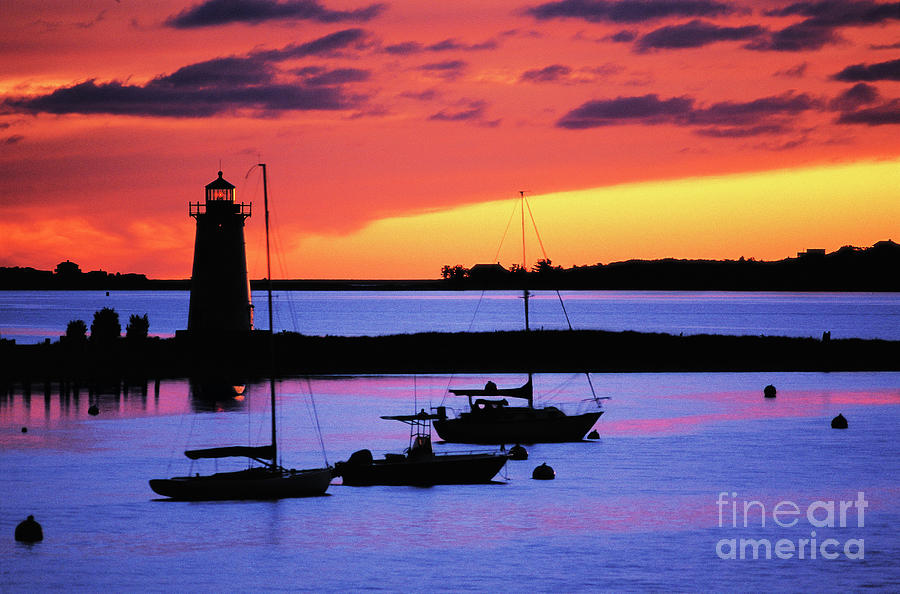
[(578, 408)]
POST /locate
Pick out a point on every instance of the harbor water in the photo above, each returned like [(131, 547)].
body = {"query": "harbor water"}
[(654, 504), (33, 316)]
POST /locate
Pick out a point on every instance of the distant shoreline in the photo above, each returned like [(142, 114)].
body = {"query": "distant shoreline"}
[(544, 351), (848, 269)]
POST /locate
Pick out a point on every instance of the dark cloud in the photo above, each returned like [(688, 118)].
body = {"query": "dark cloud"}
[(754, 112), (14, 139), (405, 48), (223, 12), (798, 71), (841, 13), (745, 132), (805, 36), (323, 46), (696, 33), (628, 11), (885, 114), (427, 95), (221, 85), (767, 115), (338, 76), (623, 36), (553, 73), (865, 72), (822, 21), (855, 97), (647, 109), (163, 100), (469, 111), (886, 47), (413, 47), (449, 69)]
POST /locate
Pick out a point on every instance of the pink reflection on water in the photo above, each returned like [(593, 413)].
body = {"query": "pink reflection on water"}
[(737, 406)]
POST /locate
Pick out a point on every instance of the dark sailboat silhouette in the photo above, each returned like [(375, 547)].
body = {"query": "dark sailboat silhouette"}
[(269, 481), (419, 465), (491, 420)]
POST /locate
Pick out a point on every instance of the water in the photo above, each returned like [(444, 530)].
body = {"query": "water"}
[(33, 316), (636, 510)]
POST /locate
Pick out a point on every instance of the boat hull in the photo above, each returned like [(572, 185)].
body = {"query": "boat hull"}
[(515, 425), (254, 483), (443, 469)]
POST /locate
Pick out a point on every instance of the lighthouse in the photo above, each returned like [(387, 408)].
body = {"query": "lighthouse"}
[(220, 291)]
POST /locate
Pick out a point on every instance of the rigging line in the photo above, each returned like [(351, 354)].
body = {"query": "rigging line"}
[(316, 418), (534, 225), (469, 329), (505, 232)]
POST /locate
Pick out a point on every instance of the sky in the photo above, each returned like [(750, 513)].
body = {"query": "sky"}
[(398, 134)]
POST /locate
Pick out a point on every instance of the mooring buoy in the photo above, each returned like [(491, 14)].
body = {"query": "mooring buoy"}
[(517, 452), (29, 530), (769, 391), (593, 435), (839, 422), (544, 473), (93, 410)]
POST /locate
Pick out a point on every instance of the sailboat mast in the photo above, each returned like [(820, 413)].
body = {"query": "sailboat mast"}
[(271, 329), (524, 260)]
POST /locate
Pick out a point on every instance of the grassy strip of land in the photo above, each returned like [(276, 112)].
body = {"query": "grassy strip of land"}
[(539, 351)]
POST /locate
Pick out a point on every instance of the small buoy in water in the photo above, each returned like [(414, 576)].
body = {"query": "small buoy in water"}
[(24, 429), (544, 473), (593, 435), (93, 410), (517, 452), (769, 391), (29, 530), (839, 422)]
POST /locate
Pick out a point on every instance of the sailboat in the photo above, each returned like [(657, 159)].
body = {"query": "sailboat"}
[(419, 465), (269, 481), (490, 419)]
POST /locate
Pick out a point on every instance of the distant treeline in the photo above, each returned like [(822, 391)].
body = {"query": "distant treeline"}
[(847, 269)]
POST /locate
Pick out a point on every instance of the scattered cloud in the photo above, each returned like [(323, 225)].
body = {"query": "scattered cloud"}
[(696, 33), (14, 139), (467, 111), (414, 47), (798, 71), (559, 73), (427, 95), (885, 46), (841, 13), (885, 114), (232, 84), (448, 70), (628, 11), (865, 72), (318, 76), (646, 109), (623, 36), (552, 73), (254, 12), (823, 18), (767, 115), (804, 36), (857, 96)]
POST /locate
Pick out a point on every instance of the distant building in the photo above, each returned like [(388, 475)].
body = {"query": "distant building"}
[(812, 253), (67, 269), (487, 272)]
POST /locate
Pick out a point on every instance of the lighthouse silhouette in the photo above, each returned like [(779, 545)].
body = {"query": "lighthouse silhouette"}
[(220, 291)]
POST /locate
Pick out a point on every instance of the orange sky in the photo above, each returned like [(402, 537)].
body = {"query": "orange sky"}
[(397, 134)]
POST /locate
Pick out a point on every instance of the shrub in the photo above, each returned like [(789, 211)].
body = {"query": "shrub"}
[(76, 331), (138, 327), (106, 326)]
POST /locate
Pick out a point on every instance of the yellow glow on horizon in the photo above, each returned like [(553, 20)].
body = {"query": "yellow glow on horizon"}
[(767, 216)]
